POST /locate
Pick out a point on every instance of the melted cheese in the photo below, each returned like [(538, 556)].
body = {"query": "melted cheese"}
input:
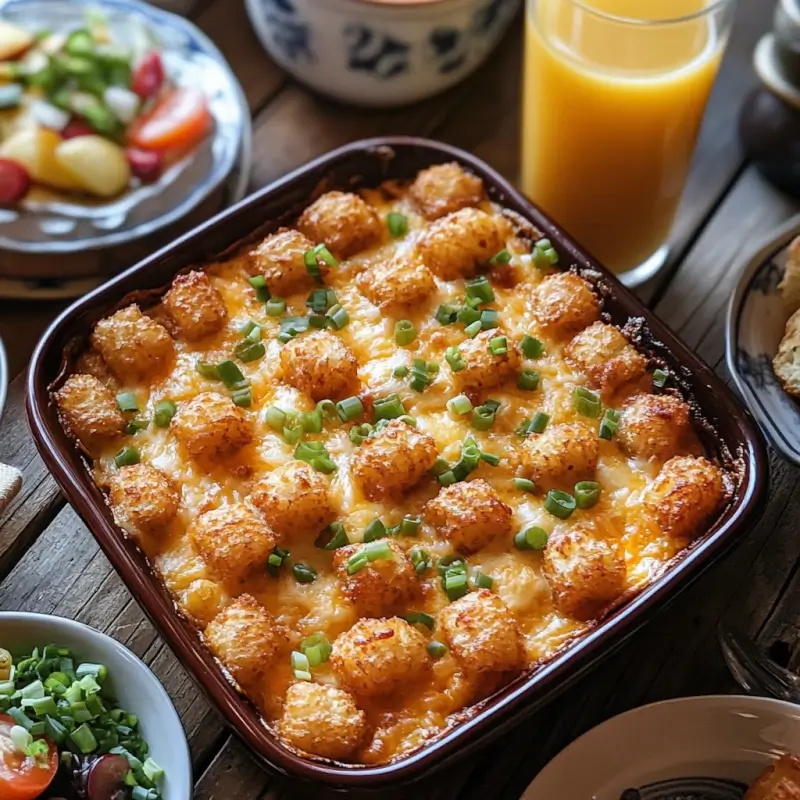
[(398, 724)]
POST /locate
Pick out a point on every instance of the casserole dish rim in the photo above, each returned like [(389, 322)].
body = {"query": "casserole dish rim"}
[(524, 695)]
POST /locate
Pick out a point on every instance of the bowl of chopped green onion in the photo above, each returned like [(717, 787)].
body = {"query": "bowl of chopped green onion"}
[(82, 718)]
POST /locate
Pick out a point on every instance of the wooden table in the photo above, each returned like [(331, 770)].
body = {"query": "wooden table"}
[(50, 563)]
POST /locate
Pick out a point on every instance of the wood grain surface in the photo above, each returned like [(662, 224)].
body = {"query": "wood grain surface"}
[(50, 563)]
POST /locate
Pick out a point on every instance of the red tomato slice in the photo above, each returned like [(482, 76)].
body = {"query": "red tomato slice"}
[(180, 119), (22, 778)]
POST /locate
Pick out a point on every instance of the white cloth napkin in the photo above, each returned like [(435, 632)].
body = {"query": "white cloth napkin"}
[(10, 482)]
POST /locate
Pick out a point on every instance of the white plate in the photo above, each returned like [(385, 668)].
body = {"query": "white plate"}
[(685, 742)]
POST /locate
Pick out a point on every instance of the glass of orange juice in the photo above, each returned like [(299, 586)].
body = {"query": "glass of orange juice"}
[(614, 94)]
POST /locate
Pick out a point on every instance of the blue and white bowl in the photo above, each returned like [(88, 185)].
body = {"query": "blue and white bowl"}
[(755, 326), (378, 53)]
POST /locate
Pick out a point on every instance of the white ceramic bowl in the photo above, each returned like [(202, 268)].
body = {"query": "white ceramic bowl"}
[(695, 746), (380, 53), (137, 689)]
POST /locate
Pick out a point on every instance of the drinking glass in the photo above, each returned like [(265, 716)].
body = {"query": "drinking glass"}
[(614, 94)]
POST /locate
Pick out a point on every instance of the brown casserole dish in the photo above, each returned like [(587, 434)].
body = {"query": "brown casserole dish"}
[(438, 312)]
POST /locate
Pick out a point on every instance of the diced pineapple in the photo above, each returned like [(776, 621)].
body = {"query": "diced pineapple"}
[(98, 165), (35, 149), (14, 41)]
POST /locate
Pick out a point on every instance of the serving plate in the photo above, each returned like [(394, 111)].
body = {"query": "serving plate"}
[(61, 225), (710, 747), (729, 434), (754, 327)]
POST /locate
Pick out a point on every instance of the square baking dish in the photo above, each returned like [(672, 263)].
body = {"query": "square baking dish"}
[(726, 428)]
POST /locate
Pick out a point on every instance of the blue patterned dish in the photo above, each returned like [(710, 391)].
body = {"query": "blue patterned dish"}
[(754, 328), (62, 225), (380, 54)]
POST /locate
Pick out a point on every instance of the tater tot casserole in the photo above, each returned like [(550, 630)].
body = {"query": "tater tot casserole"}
[(389, 458)]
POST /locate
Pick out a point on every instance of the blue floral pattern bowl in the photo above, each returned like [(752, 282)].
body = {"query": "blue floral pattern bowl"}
[(380, 54), (755, 326)]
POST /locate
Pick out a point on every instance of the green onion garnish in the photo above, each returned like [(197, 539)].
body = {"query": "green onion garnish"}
[(660, 379), (456, 584), (373, 551), (404, 332), (311, 421), (488, 319), (136, 425), (436, 649), (397, 224), (532, 538), (375, 530), (249, 351), (314, 453), (539, 422), (481, 580), (275, 418), (338, 316), (454, 358), (609, 423), (318, 322), (420, 559), (323, 254), (452, 561), (498, 346), (524, 485), (400, 372), (420, 618), (303, 573), (277, 558), (209, 371), (301, 668), (350, 409), (317, 301), (490, 458), (127, 457), (468, 315), (333, 537), (560, 504), (165, 411), (531, 347), (544, 254), (446, 314), (473, 329), (459, 405), (587, 493), (528, 380), (586, 403), (242, 397), (230, 375), (389, 407), (127, 402), (358, 433), (482, 418), (275, 307), (316, 648), (259, 283), (480, 289), (409, 526), (501, 258)]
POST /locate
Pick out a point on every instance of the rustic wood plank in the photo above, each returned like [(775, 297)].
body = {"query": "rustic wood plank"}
[(65, 574), (39, 498)]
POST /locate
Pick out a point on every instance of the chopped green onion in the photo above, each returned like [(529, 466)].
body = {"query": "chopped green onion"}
[(490, 458), (136, 425), (404, 332), (609, 423), (375, 530), (303, 573), (409, 526), (446, 314), (560, 504), (358, 433), (482, 418), (317, 301), (456, 584), (389, 407), (318, 322), (397, 224), (314, 453), (455, 359), (451, 561), (447, 478), (492, 405), (277, 558), (328, 409), (532, 538), (501, 258), (468, 315), (531, 347), (230, 375), (482, 581), (249, 351), (459, 405), (83, 738), (312, 265), (338, 316), (165, 411), (322, 253), (127, 402), (587, 493), (473, 329), (420, 618), (333, 537), (350, 409), (436, 649), (275, 418), (528, 380), (242, 397), (488, 319), (539, 422), (292, 327), (498, 346), (420, 559), (480, 289), (311, 421), (378, 550), (660, 378), (206, 370), (586, 403), (524, 485), (293, 432), (275, 307), (259, 283), (247, 329), (544, 254), (316, 648), (400, 372), (301, 668), (127, 457)]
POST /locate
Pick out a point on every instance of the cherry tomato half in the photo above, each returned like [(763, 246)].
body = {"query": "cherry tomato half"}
[(148, 76), (180, 119), (23, 778)]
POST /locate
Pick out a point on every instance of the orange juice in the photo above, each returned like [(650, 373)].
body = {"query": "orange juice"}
[(611, 114)]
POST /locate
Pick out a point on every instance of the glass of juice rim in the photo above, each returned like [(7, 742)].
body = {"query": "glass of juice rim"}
[(614, 93)]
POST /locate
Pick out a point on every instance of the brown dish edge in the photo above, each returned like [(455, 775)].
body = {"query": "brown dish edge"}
[(729, 433)]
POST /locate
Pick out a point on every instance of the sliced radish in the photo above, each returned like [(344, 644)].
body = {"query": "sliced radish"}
[(14, 182), (106, 777), (148, 75), (146, 165), (49, 116), (122, 103)]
